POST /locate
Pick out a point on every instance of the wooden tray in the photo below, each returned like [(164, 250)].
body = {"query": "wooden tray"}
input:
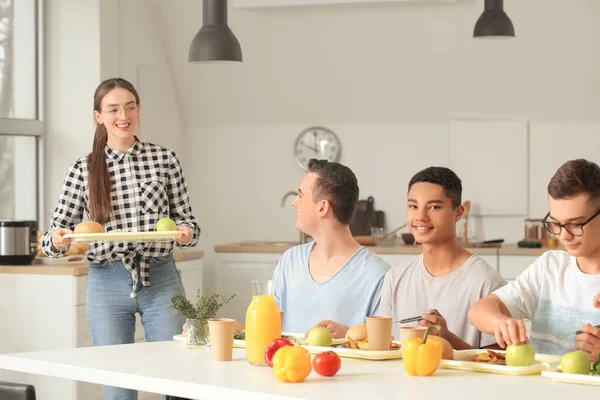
[(375, 355), (579, 379), (462, 362), (164, 236)]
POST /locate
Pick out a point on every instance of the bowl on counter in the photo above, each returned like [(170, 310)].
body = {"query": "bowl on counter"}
[(380, 238), (408, 238)]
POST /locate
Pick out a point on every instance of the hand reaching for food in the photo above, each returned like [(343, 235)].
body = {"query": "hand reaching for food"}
[(597, 301), (338, 331), (510, 331)]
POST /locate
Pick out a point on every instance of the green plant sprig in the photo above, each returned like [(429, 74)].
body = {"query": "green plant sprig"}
[(206, 307)]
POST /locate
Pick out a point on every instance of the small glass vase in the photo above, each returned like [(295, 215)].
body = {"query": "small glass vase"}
[(197, 333)]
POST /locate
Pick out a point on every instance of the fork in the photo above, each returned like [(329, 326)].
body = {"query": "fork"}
[(415, 319), (580, 332)]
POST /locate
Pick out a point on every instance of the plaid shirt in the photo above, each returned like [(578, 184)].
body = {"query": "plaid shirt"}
[(147, 184)]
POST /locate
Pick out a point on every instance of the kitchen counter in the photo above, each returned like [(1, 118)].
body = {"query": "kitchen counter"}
[(280, 247), (166, 367), (79, 269)]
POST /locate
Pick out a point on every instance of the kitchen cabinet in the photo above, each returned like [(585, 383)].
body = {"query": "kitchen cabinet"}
[(492, 260), (234, 272), (512, 266), (45, 311)]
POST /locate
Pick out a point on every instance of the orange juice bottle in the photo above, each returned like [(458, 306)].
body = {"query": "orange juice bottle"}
[(263, 322)]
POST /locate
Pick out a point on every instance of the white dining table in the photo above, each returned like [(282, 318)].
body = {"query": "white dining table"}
[(169, 368)]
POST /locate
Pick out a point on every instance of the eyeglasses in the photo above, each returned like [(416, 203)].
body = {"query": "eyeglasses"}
[(555, 228), (129, 109)]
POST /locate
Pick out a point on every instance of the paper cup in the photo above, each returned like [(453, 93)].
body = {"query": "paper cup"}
[(379, 332), (221, 338), (408, 332)]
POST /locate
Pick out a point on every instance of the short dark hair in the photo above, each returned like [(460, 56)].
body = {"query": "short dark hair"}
[(337, 184), (444, 177), (575, 177)]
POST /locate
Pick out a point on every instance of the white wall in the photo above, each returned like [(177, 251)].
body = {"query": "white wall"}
[(26, 170), (384, 77), (91, 40), (24, 76), (361, 69), (72, 73), (391, 62), (133, 44)]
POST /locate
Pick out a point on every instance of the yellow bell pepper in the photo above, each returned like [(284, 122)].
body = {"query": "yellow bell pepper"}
[(291, 364), (422, 357)]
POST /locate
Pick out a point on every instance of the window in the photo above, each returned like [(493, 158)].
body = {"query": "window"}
[(21, 122), (18, 177), (18, 55)]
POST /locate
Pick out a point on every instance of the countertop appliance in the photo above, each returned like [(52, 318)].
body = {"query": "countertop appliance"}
[(18, 241)]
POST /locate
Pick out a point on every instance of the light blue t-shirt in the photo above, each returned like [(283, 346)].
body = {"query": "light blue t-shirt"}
[(352, 294)]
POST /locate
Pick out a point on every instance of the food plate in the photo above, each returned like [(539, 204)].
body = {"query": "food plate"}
[(463, 361), (580, 379), (374, 355), (301, 337), (163, 236), (341, 351), (180, 338)]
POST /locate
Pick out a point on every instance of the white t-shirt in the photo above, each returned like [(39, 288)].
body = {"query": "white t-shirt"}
[(410, 290), (558, 299)]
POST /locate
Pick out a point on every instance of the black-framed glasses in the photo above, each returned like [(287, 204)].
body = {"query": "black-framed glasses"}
[(555, 228)]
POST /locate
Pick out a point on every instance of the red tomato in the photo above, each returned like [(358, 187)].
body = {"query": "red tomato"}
[(327, 363)]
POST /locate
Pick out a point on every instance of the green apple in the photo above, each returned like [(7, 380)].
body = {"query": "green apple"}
[(519, 355), (575, 362), (320, 336), (165, 224)]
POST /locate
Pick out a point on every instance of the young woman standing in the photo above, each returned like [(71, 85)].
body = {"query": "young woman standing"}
[(129, 185)]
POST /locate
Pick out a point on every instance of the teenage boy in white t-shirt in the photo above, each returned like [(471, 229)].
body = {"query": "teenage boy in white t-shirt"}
[(558, 291), (442, 283)]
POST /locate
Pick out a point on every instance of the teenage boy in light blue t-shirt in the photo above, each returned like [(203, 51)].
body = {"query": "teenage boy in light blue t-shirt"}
[(333, 281)]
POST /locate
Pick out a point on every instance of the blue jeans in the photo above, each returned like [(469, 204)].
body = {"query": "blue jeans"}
[(111, 310)]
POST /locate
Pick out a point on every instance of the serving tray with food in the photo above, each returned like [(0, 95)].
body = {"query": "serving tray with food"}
[(90, 231), (576, 367), (494, 361), (354, 345)]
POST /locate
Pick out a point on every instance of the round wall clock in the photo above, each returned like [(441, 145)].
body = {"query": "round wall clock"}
[(317, 142)]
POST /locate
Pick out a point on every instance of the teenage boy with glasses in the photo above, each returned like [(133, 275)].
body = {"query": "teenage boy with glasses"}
[(558, 292)]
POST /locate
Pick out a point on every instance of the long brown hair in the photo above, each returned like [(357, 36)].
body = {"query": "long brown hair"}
[(99, 185)]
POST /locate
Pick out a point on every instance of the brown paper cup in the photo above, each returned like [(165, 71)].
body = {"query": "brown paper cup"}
[(379, 332), (408, 332), (221, 338)]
